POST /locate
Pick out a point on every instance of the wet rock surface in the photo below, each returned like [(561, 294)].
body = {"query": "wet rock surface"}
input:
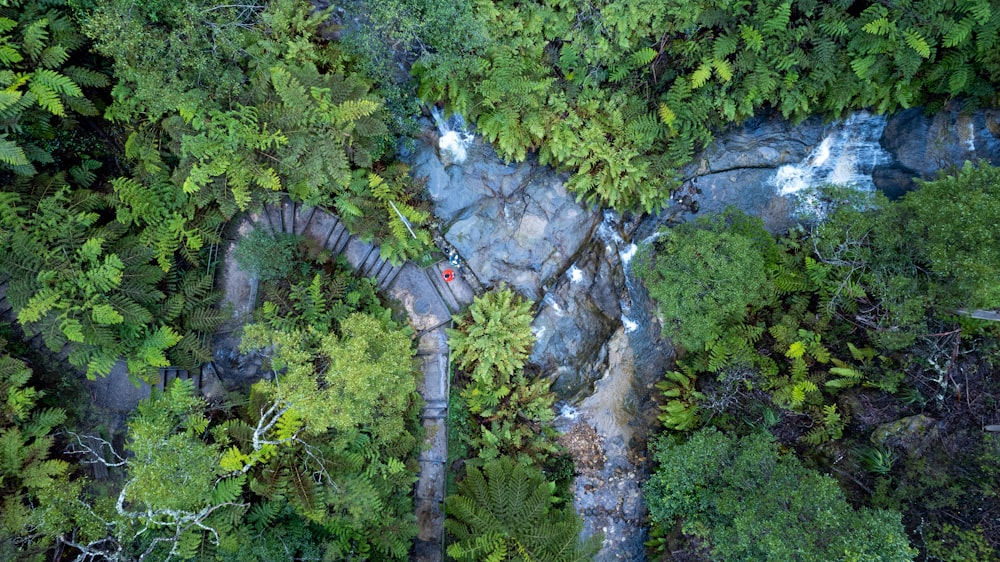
[(575, 320), (742, 167), (510, 223), (921, 144), (606, 434), (607, 494), (598, 338)]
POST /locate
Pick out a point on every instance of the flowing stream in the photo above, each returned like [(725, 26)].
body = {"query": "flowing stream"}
[(455, 138), (847, 156)]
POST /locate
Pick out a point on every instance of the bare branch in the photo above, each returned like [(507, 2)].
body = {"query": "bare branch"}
[(94, 454)]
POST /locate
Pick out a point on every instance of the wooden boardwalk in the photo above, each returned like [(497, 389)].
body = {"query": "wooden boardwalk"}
[(429, 302)]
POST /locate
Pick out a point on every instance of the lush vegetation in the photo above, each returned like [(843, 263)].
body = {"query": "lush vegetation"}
[(828, 337), (512, 412), (511, 502), (750, 502), (509, 511), (254, 104), (318, 461), (133, 133), (623, 92), (27, 473)]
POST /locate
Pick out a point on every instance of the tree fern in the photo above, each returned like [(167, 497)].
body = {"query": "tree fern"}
[(681, 411), (27, 474), (505, 512), (495, 336)]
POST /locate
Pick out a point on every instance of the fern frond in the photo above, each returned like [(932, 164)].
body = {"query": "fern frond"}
[(10, 153)]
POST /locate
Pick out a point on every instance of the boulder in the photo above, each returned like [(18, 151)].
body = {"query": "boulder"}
[(912, 433), (575, 320), (921, 145), (511, 223), (748, 166)]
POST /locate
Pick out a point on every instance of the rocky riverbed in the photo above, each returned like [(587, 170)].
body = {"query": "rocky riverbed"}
[(597, 334)]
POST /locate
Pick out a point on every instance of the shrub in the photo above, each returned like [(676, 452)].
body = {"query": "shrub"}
[(704, 274), (269, 255), (508, 511), (750, 502), (494, 338)]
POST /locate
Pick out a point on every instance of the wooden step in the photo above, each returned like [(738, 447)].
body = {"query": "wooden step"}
[(287, 216), (377, 270), (303, 219), (437, 279)]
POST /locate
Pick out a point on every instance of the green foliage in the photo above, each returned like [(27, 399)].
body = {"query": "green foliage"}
[(74, 280), (949, 543), (956, 475), (26, 471), (391, 30), (37, 40), (582, 82), (491, 343), (785, 339), (380, 207), (747, 501), (173, 468), (494, 338), (78, 278), (269, 255), (507, 511), (680, 407), (949, 222), (878, 460), (344, 394), (899, 264), (283, 112), (872, 274), (334, 434), (703, 276)]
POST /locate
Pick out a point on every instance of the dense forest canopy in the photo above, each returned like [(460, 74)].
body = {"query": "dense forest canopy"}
[(132, 134)]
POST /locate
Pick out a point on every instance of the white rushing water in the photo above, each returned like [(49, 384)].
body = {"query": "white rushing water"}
[(454, 137), (608, 233), (846, 157)]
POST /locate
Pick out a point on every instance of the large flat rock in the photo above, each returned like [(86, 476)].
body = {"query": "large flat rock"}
[(423, 304)]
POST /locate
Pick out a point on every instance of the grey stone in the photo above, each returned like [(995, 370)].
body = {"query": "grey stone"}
[(511, 223), (116, 391), (759, 143), (419, 298), (525, 238), (912, 433), (921, 145), (576, 318)]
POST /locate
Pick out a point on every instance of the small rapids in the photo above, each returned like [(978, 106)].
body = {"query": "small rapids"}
[(455, 138), (619, 410), (847, 156)]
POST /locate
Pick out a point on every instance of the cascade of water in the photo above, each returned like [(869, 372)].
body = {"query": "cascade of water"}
[(847, 156), (454, 137), (608, 233)]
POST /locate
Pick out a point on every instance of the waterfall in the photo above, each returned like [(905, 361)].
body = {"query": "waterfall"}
[(847, 156), (454, 136), (607, 231)]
